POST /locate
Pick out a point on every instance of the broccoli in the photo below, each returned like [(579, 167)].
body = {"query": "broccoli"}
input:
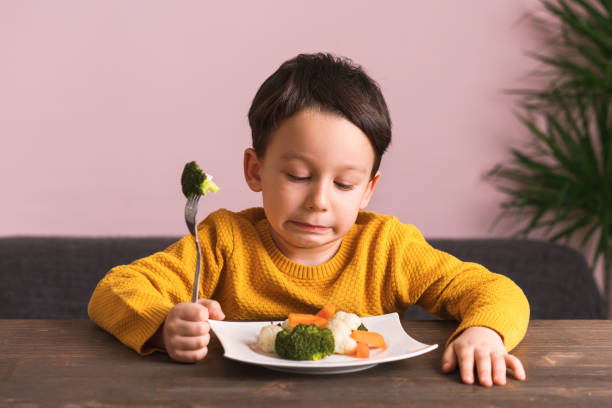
[(304, 342), (195, 181), (362, 327)]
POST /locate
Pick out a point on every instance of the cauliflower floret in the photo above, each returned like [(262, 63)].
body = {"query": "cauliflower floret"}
[(267, 337), (285, 324), (350, 319), (343, 342)]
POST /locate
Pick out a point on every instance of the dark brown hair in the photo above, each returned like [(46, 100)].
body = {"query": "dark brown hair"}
[(325, 82)]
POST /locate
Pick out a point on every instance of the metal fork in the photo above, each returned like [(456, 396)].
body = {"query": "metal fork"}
[(191, 209)]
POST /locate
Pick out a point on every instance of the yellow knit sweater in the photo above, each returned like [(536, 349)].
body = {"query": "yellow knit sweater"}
[(382, 266)]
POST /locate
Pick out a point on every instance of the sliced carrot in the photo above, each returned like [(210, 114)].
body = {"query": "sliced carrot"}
[(327, 311), (297, 318), (370, 338), (362, 350)]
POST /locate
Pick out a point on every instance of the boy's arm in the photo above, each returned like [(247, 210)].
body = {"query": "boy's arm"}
[(132, 301), (127, 302), (474, 296), (492, 311), (467, 292)]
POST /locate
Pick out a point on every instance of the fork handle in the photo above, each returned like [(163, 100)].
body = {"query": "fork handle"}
[(196, 279)]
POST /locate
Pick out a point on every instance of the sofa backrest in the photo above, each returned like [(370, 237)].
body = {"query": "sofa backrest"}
[(54, 277), (555, 278)]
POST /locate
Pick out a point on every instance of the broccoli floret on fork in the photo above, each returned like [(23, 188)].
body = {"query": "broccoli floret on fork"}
[(195, 182)]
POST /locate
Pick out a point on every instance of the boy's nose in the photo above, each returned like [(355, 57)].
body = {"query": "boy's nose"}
[(318, 198)]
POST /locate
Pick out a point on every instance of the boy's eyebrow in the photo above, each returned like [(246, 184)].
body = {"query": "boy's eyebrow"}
[(291, 155)]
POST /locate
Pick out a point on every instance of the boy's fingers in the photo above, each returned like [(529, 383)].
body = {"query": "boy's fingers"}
[(517, 367), (483, 367), (499, 368), (465, 358), (214, 308), (190, 356), (189, 328), (191, 343), (449, 359), (193, 312)]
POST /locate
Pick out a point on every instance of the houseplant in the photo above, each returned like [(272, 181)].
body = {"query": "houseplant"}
[(561, 185)]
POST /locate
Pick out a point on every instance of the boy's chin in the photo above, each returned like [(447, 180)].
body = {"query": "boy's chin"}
[(313, 243), (298, 239)]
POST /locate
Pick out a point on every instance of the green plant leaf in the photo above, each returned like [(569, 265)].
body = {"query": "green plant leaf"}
[(589, 234), (571, 68), (555, 149), (569, 231), (573, 21), (600, 18)]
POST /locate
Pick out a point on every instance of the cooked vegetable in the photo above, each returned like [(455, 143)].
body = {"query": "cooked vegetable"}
[(362, 350), (311, 337), (267, 337), (343, 343), (304, 342), (342, 324), (370, 338), (195, 182), (327, 311), (350, 319), (302, 318)]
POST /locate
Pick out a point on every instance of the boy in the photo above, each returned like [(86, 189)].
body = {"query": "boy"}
[(320, 126)]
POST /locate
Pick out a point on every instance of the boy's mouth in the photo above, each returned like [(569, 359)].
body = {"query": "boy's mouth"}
[(309, 227)]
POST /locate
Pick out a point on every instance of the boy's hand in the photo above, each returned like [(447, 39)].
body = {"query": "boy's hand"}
[(186, 329), (484, 347)]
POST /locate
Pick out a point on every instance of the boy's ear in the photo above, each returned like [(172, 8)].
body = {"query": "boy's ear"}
[(252, 169), (369, 191)]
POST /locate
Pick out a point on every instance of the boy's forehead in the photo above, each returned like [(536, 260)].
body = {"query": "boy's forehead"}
[(345, 164), (310, 133)]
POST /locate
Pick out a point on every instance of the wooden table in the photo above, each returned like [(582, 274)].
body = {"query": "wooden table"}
[(73, 363)]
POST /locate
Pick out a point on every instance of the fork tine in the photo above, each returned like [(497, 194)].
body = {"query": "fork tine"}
[(191, 209), (193, 200)]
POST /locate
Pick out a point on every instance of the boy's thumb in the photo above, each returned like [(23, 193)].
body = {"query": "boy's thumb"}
[(214, 308)]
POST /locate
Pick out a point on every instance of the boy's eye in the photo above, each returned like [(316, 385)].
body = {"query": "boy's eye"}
[(296, 178), (343, 186)]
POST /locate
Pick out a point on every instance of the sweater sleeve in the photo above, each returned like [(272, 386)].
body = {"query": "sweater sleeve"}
[(132, 301), (465, 291)]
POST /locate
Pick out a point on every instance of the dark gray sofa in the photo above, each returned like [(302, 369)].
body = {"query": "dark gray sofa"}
[(53, 277)]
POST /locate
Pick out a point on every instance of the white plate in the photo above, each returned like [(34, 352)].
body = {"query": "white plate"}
[(239, 340)]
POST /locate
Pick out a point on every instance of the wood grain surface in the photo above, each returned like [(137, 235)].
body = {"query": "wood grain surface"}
[(73, 363)]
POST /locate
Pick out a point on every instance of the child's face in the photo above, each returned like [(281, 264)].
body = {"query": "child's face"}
[(314, 179)]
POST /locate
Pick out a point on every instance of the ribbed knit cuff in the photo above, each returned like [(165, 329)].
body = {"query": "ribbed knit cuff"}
[(149, 321)]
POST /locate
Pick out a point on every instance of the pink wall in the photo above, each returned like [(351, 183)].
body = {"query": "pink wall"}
[(102, 103)]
